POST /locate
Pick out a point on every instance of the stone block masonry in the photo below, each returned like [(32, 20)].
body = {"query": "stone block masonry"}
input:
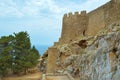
[(77, 25), (52, 57), (83, 24), (73, 26)]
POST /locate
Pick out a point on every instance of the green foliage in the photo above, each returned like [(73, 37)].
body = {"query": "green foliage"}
[(34, 52), (16, 53), (5, 54)]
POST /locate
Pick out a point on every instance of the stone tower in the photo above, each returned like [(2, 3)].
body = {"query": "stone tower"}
[(81, 24), (74, 25)]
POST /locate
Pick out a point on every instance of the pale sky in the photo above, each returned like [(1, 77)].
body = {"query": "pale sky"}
[(42, 19)]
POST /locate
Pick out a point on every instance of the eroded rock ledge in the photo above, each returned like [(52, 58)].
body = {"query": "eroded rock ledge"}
[(89, 58)]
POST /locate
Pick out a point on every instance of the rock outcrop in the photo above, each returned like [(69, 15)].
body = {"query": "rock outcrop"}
[(92, 57), (88, 57)]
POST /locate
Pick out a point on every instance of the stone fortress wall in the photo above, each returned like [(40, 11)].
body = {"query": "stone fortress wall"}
[(73, 25), (77, 25), (84, 24)]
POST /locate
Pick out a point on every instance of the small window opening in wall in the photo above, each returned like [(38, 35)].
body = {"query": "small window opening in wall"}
[(70, 40), (84, 33)]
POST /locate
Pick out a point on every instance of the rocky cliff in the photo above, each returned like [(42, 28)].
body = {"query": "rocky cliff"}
[(89, 47), (94, 57), (91, 57), (100, 59)]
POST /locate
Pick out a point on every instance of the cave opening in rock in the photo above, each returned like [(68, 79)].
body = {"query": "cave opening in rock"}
[(83, 44), (114, 50)]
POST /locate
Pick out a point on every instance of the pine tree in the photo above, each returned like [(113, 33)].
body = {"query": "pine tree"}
[(23, 53), (16, 53), (5, 54)]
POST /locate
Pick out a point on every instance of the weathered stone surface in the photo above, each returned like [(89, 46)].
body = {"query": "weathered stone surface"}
[(70, 69), (80, 25), (98, 61), (103, 64), (52, 58), (90, 48)]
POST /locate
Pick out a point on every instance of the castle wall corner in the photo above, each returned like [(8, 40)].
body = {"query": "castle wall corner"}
[(51, 61), (73, 25)]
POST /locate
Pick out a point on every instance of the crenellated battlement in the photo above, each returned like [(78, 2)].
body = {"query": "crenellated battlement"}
[(77, 13), (70, 14), (83, 13), (72, 22)]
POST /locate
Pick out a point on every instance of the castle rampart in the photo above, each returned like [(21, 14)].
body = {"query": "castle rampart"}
[(73, 25), (103, 16), (82, 24)]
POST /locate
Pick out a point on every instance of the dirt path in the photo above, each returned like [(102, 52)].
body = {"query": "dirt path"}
[(35, 76)]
